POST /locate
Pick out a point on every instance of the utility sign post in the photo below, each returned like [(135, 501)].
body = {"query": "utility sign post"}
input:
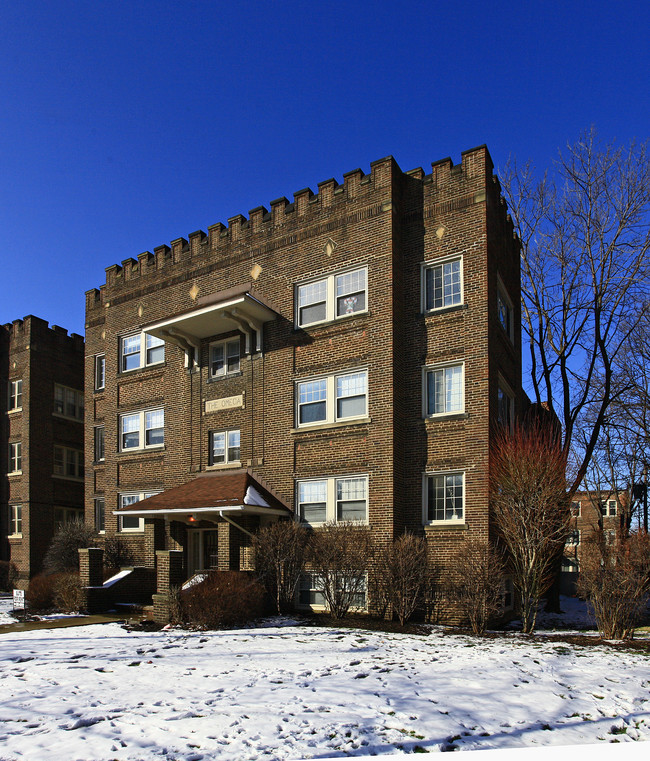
[(19, 600)]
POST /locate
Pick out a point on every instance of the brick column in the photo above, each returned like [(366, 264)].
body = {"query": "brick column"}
[(91, 567), (169, 573)]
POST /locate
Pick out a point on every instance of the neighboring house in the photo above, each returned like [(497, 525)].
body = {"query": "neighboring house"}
[(590, 511), (41, 438), (340, 357)]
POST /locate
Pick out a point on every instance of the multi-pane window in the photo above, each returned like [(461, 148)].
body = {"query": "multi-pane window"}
[(15, 394), (608, 508), (132, 522), (332, 399), (63, 515), (15, 457), (333, 499), (100, 514), (575, 509), (132, 355), (142, 430), (16, 520), (444, 390), (100, 372), (444, 498), (505, 312), (68, 462), (569, 565), (224, 447), (311, 594), (99, 451), (442, 284), (225, 358), (68, 402), (332, 297), (573, 538), (505, 406)]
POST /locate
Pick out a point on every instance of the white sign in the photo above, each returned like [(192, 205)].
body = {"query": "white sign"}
[(19, 599), (227, 403)]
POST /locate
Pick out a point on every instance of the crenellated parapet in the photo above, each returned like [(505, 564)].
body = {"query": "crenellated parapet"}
[(32, 328), (307, 207)]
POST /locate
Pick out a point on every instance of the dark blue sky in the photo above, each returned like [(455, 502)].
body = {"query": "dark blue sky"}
[(126, 125)]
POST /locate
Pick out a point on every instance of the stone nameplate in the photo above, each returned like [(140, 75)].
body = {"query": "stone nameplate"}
[(227, 403)]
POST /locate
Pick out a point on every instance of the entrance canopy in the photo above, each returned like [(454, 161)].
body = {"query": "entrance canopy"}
[(210, 495)]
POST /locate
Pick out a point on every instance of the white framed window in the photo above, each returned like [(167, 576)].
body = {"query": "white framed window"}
[(68, 462), (100, 372), (576, 509), (332, 399), (142, 430), (332, 297), (608, 509), (140, 350), (505, 311), (573, 538), (99, 451), (333, 499), (444, 497), (311, 594), (442, 283), (132, 523), (100, 515), (15, 395), (225, 357), (63, 515), (15, 520), (224, 447), (569, 565), (15, 457), (505, 405), (68, 402), (444, 389)]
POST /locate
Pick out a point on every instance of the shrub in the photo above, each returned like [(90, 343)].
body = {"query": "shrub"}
[(116, 554), (402, 577), (224, 599), (8, 575), (63, 552), (68, 594), (40, 592), (279, 560)]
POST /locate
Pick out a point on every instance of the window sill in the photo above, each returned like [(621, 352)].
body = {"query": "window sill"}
[(14, 410), (140, 450), (445, 525), (217, 378), (446, 416), (15, 473), (15, 536), (130, 531), (97, 463), (444, 310), (326, 426), (328, 323), (224, 465)]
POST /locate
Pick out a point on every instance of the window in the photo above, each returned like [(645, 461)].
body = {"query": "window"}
[(332, 399), (573, 538), (142, 430), (576, 509), (99, 453), (508, 594), (442, 284), (505, 312), (224, 358), (569, 565), (311, 595), (100, 515), (16, 520), (68, 402), (68, 462), (100, 372), (224, 447), (131, 355), (63, 515), (132, 522), (609, 508), (15, 395), (505, 406), (444, 392), (444, 497), (15, 457), (331, 297), (333, 499)]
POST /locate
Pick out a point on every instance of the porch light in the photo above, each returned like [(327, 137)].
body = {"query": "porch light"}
[(191, 519)]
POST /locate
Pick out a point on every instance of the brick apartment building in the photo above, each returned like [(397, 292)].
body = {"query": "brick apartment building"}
[(41, 438), (343, 356)]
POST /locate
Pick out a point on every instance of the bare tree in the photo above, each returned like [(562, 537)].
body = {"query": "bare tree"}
[(402, 576), (530, 508), (340, 554), (477, 591), (279, 560), (585, 236), (615, 579)]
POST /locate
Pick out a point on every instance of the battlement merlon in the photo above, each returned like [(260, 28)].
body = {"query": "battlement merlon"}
[(32, 328), (476, 164)]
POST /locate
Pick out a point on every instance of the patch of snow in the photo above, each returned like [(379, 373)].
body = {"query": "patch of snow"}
[(119, 575), (196, 579)]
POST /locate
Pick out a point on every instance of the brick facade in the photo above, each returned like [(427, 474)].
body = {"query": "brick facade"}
[(39, 358), (394, 226)]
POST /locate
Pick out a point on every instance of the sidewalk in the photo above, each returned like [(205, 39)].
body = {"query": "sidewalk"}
[(61, 623)]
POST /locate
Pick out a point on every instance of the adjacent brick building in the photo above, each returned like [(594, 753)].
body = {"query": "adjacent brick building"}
[(41, 438), (346, 353)]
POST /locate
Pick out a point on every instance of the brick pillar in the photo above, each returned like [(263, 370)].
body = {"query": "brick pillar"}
[(223, 545), (169, 573), (91, 567)]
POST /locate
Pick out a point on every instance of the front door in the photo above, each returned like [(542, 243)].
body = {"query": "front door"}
[(201, 549)]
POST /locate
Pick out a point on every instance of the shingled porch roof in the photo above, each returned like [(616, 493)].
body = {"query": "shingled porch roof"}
[(211, 493)]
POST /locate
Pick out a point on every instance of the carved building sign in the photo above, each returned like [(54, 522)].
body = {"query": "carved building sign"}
[(227, 403)]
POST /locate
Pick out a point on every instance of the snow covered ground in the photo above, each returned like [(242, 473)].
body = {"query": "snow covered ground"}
[(297, 692)]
